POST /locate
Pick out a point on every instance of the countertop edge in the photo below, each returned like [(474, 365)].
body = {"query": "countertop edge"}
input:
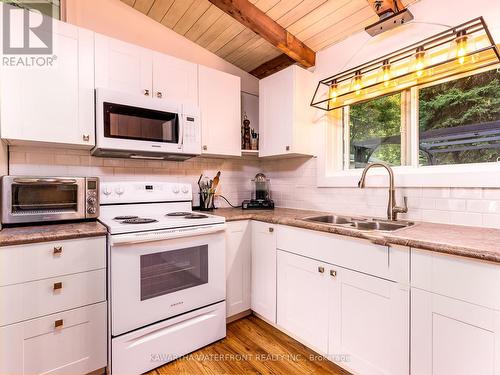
[(376, 238)]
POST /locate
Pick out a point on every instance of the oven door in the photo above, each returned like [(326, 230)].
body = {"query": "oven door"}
[(158, 275), (37, 199)]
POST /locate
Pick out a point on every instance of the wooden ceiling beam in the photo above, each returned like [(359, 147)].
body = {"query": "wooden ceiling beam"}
[(272, 66), (256, 20)]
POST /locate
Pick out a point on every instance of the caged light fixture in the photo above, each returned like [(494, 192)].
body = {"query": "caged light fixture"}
[(461, 49)]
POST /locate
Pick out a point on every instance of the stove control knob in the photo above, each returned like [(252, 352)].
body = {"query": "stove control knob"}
[(176, 189), (185, 189), (106, 191), (119, 190)]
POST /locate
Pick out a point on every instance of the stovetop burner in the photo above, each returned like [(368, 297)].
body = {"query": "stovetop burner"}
[(127, 217), (139, 220), (175, 214), (195, 216)]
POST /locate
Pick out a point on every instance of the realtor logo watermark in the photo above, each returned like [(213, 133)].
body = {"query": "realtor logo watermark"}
[(27, 36)]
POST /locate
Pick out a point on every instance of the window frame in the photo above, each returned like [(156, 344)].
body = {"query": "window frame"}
[(332, 173)]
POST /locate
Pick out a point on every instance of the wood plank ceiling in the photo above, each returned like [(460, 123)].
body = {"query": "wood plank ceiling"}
[(317, 23)]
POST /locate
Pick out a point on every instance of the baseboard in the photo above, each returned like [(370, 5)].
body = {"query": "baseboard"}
[(238, 316)]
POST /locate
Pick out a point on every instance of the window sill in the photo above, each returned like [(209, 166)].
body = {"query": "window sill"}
[(465, 175)]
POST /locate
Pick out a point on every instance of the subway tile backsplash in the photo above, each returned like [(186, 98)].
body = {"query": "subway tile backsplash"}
[(293, 184)]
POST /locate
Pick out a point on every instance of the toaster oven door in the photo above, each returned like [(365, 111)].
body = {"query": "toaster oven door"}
[(28, 200)]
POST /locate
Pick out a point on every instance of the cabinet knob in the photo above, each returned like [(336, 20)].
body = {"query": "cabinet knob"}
[(58, 323), (86, 137), (287, 148), (271, 230), (321, 269), (205, 148), (333, 273), (58, 286), (146, 92), (58, 250), (159, 95)]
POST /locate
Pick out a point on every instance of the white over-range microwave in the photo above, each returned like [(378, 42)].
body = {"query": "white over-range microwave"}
[(140, 127)]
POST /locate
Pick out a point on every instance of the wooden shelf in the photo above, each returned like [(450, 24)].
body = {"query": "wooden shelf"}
[(249, 152)]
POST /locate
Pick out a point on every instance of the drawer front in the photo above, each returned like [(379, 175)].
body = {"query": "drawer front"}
[(142, 350), (22, 263), (391, 263), (76, 346), (33, 299), (469, 280)]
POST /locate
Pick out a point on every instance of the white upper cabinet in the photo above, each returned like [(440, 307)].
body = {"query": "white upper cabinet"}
[(122, 66), (285, 115), (174, 79), (53, 104), (220, 106), (132, 69)]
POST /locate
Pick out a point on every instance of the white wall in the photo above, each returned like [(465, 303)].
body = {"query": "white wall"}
[(118, 20)]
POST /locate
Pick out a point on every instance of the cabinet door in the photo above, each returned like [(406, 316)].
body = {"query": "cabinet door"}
[(264, 270), (54, 103), (175, 79), (238, 261), (123, 67), (70, 342), (302, 295), (369, 330), (220, 106), (276, 114), (452, 337)]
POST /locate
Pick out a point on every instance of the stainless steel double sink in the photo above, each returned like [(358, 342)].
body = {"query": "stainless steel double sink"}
[(362, 224)]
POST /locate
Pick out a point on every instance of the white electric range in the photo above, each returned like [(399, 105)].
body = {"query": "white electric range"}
[(166, 274)]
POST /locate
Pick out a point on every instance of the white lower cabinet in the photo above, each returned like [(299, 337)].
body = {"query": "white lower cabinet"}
[(70, 342), (369, 323), (238, 261), (453, 337), (264, 270), (302, 307)]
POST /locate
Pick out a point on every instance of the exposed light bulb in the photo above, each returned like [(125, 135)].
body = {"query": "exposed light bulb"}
[(386, 72), (419, 61), (333, 91), (461, 41), (358, 83)]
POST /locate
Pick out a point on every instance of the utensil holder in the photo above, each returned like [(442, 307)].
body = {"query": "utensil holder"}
[(207, 201)]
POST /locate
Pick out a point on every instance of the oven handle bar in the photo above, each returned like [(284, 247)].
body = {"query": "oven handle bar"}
[(168, 234)]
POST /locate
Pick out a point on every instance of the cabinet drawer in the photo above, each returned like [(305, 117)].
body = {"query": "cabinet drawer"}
[(21, 263), (388, 262), (33, 299), (76, 346), (470, 280)]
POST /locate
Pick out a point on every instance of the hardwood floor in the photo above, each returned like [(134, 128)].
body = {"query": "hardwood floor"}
[(252, 347)]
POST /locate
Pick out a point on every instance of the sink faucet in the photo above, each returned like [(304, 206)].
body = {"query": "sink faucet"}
[(392, 209)]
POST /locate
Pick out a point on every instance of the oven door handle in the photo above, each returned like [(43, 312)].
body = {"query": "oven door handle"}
[(131, 238), (45, 180)]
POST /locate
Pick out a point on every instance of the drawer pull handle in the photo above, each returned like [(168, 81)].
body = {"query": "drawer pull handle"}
[(58, 250), (333, 273), (58, 323), (58, 286), (271, 230), (321, 269)]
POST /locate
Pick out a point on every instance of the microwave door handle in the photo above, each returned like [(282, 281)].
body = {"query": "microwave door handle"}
[(181, 133), (46, 180)]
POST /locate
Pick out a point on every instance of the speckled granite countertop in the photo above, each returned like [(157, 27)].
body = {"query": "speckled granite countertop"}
[(50, 232), (472, 242)]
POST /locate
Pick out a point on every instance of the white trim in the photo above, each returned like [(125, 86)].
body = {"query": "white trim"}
[(460, 175)]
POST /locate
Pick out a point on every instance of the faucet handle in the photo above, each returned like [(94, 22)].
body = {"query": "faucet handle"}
[(403, 209)]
